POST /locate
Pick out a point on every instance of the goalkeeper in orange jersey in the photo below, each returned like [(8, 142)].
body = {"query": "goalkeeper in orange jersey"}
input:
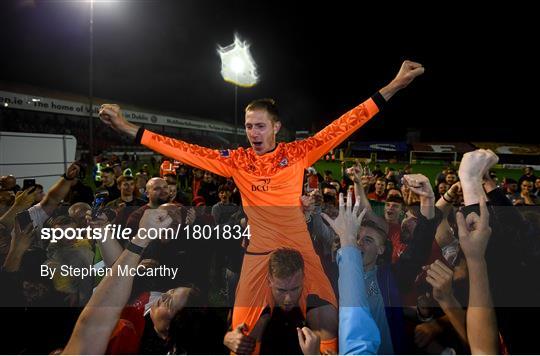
[(269, 176)]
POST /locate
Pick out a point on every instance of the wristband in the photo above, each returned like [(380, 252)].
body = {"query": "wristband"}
[(446, 200), (379, 100), (139, 135), (135, 248), (66, 177), (474, 208)]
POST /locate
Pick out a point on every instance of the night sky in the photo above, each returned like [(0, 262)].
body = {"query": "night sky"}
[(317, 61)]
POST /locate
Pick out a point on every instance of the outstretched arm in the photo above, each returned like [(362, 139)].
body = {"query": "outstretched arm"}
[(408, 71), (339, 130), (98, 319), (215, 161)]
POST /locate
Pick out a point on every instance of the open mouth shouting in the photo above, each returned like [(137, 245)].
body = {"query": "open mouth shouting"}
[(257, 145)]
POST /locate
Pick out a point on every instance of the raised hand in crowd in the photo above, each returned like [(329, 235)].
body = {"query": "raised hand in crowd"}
[(155, 218), (356, 174), (489, 182), (409, 197), (358, 332), (98, 319), (110, 248), (453, 195), (347, 223), (72, 171), (60, 189), (473, 168), (474, 233), (23, 200), (20, 242), (419, 184)]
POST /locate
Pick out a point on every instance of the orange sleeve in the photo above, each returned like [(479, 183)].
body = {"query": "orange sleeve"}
[(335, 133), (215, 161)]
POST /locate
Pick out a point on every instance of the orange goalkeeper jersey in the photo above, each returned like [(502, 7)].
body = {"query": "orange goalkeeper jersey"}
[(270, 184)]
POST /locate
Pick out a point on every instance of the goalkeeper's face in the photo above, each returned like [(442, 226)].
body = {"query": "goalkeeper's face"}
[(261, 131)]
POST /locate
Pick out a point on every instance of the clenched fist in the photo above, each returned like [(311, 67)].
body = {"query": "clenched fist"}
[(112, 116), (408, 71), (475, 165)]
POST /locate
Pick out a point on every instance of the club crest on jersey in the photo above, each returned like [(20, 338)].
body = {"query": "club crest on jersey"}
[(284, 162)]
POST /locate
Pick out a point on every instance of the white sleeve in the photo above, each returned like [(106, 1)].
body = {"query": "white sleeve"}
[(38, 215)]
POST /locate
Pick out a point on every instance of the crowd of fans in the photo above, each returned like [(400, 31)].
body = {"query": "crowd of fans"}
[(439, 267)]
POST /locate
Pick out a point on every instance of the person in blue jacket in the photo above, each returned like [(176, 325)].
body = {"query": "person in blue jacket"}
[(358, 332), (384, 283)]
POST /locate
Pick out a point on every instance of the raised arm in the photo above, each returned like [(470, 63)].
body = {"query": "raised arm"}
[(473, 168), (23, 200), (335, 133), (60, 189), (315, 223), (98, 319), (109, 247), (419, 184), (215, 161), (20, 242), (474, 235), (445, 202), (408, 71), (356, 173), (419, 247), (47, 205), (358, 332)]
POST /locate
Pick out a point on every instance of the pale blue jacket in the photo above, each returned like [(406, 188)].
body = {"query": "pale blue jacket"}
[(358, 333)]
